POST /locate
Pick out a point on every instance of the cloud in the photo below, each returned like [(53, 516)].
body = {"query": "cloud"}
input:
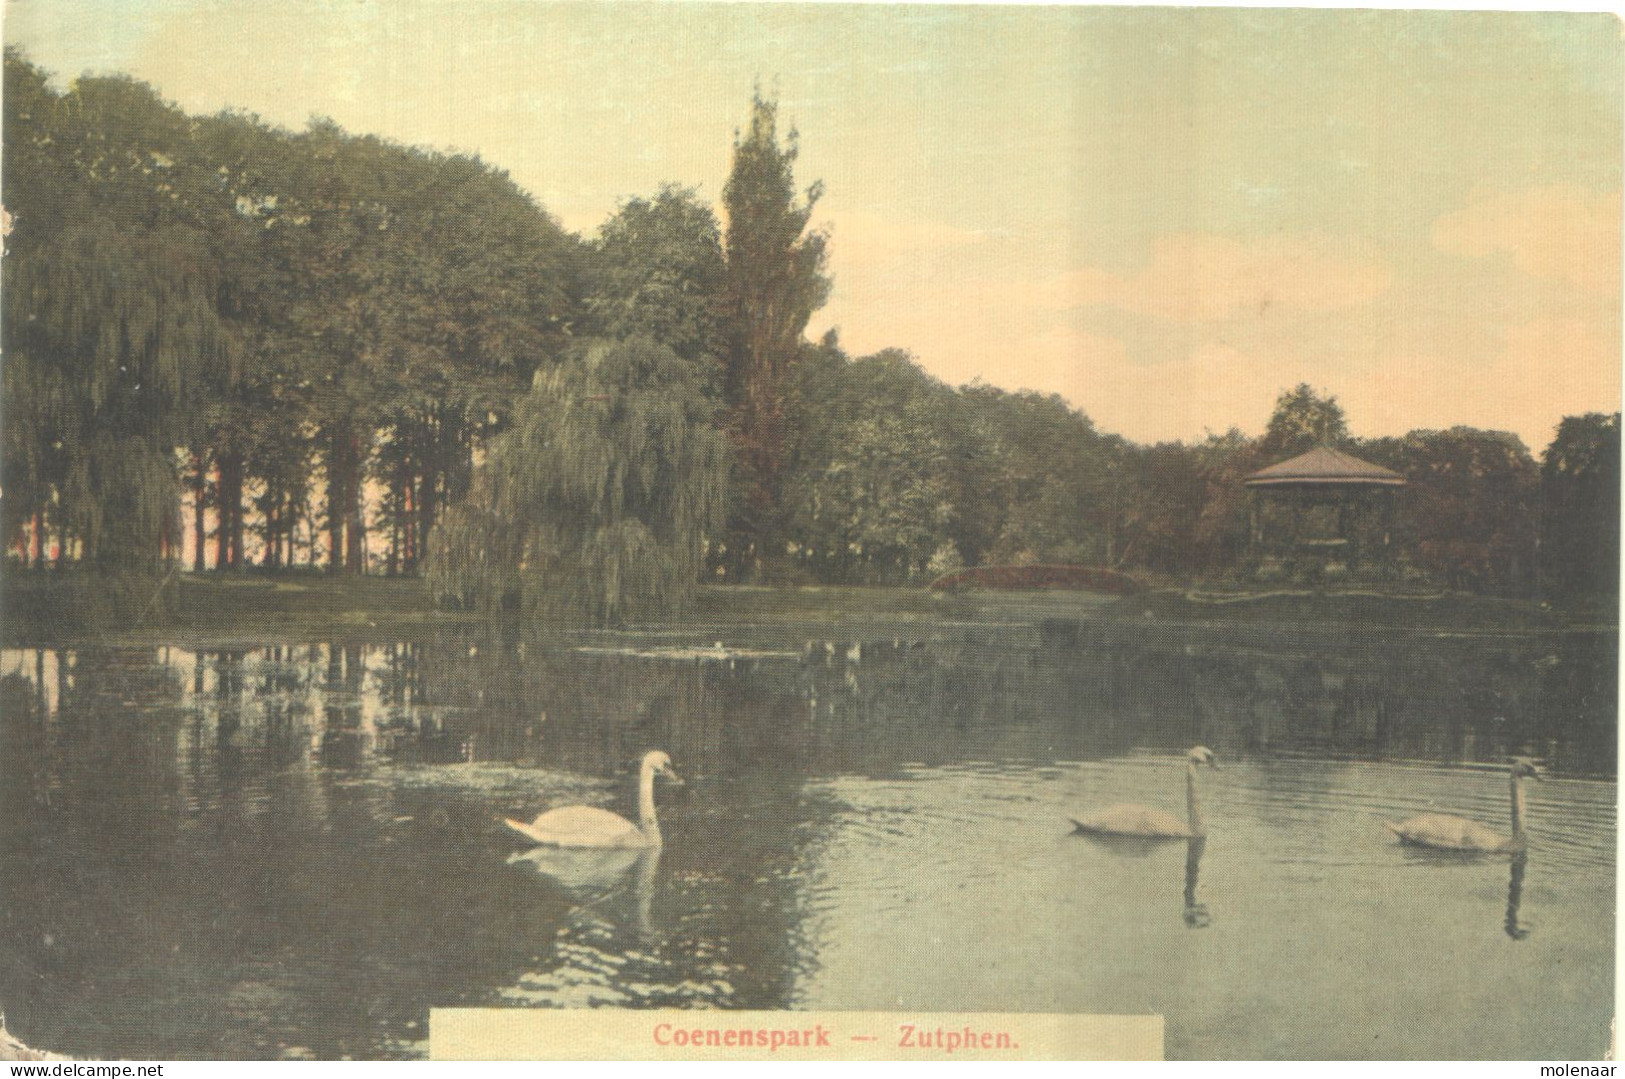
[(1557, 233), (1208, 389), (1206, 278), (1546, 369), (862, 237), (1207, 331), (1541, 370)]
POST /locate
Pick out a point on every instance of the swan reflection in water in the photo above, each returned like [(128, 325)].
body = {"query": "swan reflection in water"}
[(599, 878), (1512, 923), (1516, 929), (1196, 914)]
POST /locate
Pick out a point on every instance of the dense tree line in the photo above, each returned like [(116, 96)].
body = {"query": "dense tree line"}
[(216, 302), (343, 353), (897, 477)]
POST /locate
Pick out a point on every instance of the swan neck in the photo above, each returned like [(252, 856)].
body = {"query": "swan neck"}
[(646, 804), (1193, 804)]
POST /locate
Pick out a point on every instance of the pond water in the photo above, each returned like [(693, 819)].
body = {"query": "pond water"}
[(294, 850)]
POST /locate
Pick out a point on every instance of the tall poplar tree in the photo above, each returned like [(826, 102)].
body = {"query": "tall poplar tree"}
[(775, 281)]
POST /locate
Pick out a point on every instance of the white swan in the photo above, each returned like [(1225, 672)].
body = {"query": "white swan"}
[(1147, 823), (1443, 832), (589, 826)]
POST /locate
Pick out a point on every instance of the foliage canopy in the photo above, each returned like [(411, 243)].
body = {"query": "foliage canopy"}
[(597, 502)]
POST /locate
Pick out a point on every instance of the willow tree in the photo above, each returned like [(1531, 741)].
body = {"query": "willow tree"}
[(110, 337), (776, 280), (110, 317), (597, 502)]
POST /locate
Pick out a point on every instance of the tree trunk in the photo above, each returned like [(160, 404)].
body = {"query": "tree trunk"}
[(272, 523), (231, 509), (221, 532), (355, 554), (426, 503), (409, 526), (337, 470), (392, 561), (284, 535), (200, 538)]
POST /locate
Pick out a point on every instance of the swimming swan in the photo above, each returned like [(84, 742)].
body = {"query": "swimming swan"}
[(589, 826), (1135, 820), (1458, 833)]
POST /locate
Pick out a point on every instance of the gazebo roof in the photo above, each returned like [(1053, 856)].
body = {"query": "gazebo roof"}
[(1324, 465)]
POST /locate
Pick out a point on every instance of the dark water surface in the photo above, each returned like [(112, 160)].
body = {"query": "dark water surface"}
[(293, 851)]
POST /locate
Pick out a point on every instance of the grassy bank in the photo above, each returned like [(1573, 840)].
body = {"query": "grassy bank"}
[(45, 608), (225, 608), (1443, 612)]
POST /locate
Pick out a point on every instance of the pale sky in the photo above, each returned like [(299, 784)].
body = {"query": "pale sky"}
[(1166, 215)]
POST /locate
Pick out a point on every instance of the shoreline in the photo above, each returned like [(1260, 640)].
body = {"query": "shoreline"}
[(227, 610)]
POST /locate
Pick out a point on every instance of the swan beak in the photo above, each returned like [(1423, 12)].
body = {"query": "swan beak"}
[(672, 777)]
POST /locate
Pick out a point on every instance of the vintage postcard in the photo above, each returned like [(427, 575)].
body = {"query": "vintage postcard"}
[(689, 531)]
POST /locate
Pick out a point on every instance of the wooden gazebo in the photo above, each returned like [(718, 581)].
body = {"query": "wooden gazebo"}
[(1322, 514)]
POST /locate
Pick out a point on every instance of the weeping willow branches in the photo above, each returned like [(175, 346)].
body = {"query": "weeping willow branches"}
[(597, 503), (110, 341)]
